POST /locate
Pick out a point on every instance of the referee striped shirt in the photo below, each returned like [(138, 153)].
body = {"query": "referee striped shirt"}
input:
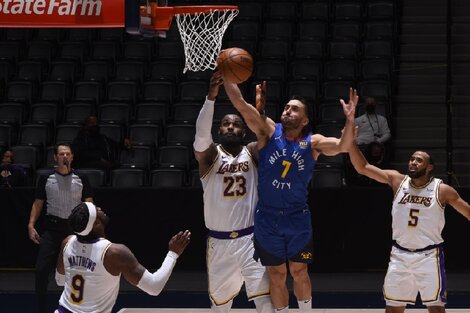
[(63, 192)]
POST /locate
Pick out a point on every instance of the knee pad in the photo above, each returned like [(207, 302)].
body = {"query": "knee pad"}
[(224, 308), (264, 305)]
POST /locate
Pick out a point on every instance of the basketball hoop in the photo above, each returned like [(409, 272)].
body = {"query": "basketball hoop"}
[(201, 28)]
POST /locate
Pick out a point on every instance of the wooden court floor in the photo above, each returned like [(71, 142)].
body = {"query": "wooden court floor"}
[(130, 310)]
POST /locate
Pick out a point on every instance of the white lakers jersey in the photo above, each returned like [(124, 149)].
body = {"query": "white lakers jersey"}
[(418, 216), (88, 285), (230, 194)]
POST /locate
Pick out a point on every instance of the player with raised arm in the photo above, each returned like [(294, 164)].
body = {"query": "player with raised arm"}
[(287, 155), (229, 178), (90, 266), (417, 258)]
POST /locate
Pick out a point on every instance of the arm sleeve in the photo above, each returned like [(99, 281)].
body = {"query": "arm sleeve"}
[(41, 188), (203, 138), (87, 191), (153, 283)]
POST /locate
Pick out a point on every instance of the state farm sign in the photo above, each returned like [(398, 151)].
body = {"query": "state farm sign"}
[(62, 13)]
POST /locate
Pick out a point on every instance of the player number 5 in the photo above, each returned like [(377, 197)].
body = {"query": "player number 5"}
[(413, 221)]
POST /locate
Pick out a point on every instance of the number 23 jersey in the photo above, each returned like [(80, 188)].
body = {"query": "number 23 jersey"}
[(230, 194)]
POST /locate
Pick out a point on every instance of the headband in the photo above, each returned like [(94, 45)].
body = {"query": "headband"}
[(91, 219)]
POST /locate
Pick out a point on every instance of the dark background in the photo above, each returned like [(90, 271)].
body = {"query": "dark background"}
[(352, 227)]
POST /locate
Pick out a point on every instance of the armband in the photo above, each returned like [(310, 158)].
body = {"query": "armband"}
[(203, 138), (153, 283)]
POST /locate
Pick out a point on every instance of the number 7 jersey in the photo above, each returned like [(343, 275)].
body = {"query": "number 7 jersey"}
[(230, 194), (417, 214), (285, 169)]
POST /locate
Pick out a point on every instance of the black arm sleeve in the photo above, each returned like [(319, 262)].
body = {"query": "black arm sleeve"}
[(87, 191), (41, 188)]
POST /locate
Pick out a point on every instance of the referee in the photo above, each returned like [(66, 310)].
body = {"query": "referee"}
[(62, 191)]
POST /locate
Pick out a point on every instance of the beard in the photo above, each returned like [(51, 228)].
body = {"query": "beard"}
[(231, 141), (417, 174), (288, 123)]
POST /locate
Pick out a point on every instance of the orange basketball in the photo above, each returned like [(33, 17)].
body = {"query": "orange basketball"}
[(235, 64)]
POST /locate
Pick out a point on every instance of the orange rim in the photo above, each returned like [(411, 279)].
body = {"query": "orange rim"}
[(202, 9)]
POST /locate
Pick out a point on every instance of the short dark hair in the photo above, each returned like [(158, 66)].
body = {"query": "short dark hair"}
[(78, 219), (66, 144)]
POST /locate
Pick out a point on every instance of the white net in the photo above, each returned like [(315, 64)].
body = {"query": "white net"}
[(202, 35)]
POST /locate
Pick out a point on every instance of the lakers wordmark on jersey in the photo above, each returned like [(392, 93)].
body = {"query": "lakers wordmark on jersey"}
[(230, 194), (418, 215)]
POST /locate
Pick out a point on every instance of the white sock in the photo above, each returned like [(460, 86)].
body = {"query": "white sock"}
[(282, 310), (305, 305)]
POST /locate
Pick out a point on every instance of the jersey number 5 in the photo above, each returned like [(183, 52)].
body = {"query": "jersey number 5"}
[(78, 284), (235, 186), (413, 221)]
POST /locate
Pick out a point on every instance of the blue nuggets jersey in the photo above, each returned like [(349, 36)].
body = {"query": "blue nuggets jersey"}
[(284, 172)]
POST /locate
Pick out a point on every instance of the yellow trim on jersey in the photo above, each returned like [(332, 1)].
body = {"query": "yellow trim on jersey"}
[(437, 194), (104, 251), (260, 294), (253, 161), (438, 271), (421, 187), (399, 188), (212, 165), (209, 282), (398, 300)]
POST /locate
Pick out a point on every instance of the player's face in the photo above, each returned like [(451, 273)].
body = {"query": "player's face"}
[(102, 216), (294, 115), (418, 166), (232, 130)]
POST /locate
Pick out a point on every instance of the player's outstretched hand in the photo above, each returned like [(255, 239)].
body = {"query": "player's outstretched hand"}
[(215, 82), (179, 242), (349, 108), (261, 97)]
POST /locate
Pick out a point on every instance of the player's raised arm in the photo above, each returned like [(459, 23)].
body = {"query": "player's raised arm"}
[(204, 148), (449, 195), (262, 126), (390, 177), (120, 259), (332, 145)]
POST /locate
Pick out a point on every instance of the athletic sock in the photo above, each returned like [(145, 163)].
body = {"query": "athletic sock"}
[(305, 305), (282, 310)]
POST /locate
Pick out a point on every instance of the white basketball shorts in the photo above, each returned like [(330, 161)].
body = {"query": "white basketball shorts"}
[(230, 263), (412, 272)]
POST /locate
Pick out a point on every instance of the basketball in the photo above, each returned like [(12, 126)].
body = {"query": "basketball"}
[(235, 64)]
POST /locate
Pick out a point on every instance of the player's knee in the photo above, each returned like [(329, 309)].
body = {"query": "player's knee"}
[(277, 274), (223, 308), (436, 307), (264, 305), (299, 272)]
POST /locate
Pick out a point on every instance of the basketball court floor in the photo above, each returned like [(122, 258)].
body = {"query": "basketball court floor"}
[(129, 310)]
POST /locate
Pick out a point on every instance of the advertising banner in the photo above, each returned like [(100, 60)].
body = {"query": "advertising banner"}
[(62, 13)]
